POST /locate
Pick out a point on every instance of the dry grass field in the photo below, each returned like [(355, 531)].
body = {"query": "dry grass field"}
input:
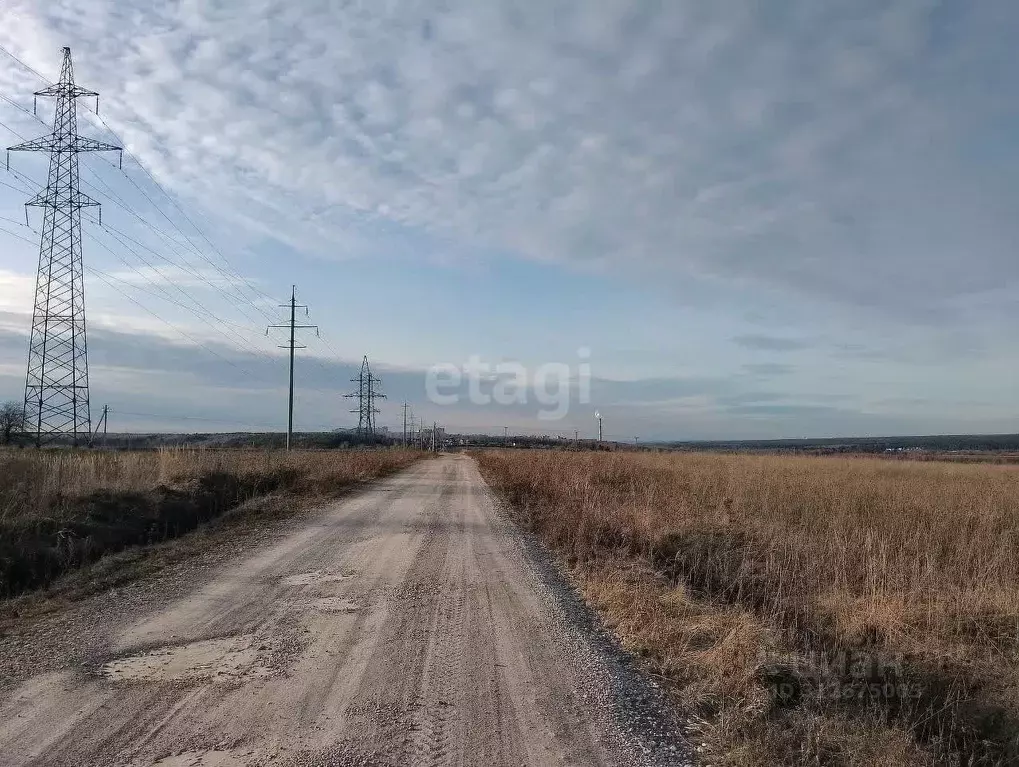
[(60, 509), (844, 611)]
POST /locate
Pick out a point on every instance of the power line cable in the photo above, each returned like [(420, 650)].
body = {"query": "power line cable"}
[(26, 66), (16, 189), (193, 418), (16, 133), (12, 221), (185, 265), (120, 236), (113, 232), (230, 279), (245, 347), (104, 277), (202, 312), (19, 236), (22, 109)]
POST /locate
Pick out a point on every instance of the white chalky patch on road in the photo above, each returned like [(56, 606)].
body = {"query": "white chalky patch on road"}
[(307, 579), (335, 605), (223, 659)]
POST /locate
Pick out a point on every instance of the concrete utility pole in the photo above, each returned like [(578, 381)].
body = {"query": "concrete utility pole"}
[(103, 419), (433, 436), (598, 416), (405, 406), (292, 345)]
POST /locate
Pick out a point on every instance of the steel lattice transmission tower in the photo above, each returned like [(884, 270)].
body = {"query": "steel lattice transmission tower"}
[(367, 392), (56, 387)]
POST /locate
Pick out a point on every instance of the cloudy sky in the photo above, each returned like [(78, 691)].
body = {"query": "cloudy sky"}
[(780, 219)]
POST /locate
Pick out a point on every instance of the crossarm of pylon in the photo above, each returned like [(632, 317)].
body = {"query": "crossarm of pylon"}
[(51, 144), (84, 144), (44, 198), (41, 144), (61, 89)]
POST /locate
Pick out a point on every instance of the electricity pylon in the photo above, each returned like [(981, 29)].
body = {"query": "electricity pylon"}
[(367, 392), (292, 345), (56, 385)]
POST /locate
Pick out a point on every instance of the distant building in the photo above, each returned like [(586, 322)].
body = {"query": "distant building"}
[(440, 435)]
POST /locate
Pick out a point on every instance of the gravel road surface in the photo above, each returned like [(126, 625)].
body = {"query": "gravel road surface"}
[(410, 624)]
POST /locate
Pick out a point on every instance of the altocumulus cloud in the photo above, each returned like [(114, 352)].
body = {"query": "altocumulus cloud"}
[(851, 150), (852, 157)]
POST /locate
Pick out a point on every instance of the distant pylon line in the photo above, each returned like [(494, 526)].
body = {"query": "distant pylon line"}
[(56, 382)]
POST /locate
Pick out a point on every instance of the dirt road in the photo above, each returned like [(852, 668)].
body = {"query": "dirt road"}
[(410, 624)]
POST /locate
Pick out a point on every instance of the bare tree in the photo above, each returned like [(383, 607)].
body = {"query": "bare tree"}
[(12, 419)]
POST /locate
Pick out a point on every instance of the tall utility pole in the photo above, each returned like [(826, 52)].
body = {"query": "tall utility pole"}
[(405, 406), (56, 385), (292, 345), (367, 392), (598, 416)]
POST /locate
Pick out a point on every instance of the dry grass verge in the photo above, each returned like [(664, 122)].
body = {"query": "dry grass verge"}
[(843, 611), (60, 510)]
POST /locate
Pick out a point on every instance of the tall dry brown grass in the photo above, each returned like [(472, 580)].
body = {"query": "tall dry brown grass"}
[(62, 509), (809, 610), (42, 482)]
